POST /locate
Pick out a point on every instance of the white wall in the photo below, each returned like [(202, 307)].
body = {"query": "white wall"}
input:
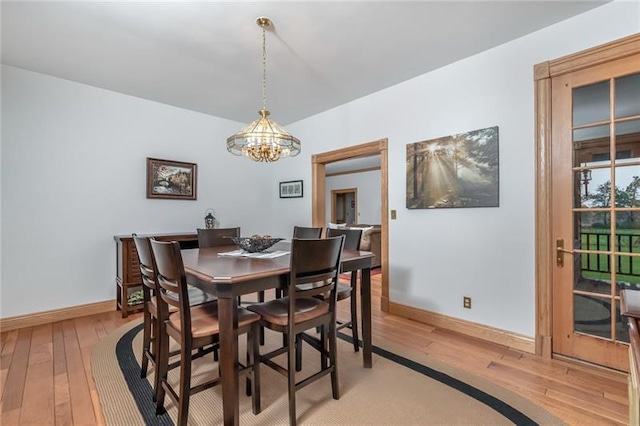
[(73, 172), (74, 175), (368, 186), (439, 256), (1, 203)]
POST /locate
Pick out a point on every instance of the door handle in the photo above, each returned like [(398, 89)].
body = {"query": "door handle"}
[(560, 251)]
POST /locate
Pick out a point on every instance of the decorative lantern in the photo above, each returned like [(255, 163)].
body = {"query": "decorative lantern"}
[(209, 220)]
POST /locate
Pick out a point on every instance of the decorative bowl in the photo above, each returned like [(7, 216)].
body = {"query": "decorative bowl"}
[(255, 243)]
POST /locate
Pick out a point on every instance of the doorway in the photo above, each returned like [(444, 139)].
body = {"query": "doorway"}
[(344, 206), (318, 197), (588, 216)]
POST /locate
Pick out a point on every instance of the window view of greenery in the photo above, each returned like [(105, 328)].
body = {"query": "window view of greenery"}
[(607, 199), (595, 230)]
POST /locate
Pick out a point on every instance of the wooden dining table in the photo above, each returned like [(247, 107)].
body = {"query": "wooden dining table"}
[(230, 277)]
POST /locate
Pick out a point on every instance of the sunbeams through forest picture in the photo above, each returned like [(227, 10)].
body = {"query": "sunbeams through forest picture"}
[(454, 171)]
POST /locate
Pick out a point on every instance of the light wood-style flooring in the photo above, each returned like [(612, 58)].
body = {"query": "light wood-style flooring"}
[(45, 371)]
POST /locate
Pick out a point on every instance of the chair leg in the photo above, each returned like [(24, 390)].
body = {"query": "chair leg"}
[(146, 343), (261, 332), (354, 312), (156, 328), (185, 386), (333, 359), (249, 360), (298, 353), (162, 367), (323, 340), (291, 375), (254, 361)]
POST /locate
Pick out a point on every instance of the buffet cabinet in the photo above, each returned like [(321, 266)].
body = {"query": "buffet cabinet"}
[(128, 278)]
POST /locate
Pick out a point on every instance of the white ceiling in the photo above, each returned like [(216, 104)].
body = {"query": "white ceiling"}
[(206, 56)]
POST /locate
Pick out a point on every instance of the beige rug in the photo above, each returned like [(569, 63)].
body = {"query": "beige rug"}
[(404, 387)]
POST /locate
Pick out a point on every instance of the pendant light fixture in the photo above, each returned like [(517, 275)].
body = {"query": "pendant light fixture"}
[(264, 139)]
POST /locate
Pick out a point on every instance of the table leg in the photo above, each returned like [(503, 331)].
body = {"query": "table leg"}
[(228, 318), (365, 297)]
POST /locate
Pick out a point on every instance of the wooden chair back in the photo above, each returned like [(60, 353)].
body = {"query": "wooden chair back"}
[(171, 277), (217, 237), (352, 237), (315, 265), (146, 261), (306, 232)]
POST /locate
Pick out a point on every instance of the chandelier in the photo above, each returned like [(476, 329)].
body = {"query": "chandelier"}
[(263, 139)]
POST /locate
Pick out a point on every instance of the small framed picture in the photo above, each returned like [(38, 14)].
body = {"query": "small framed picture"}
[(169, 179), (291, 189)]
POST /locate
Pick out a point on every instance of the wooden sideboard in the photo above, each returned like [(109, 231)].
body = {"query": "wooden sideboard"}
[(128, 277)]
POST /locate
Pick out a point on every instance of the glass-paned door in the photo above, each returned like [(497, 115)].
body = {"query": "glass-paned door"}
[(596, 208)]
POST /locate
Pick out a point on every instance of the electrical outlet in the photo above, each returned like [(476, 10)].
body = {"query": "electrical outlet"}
[(393, 214), (466, 302)]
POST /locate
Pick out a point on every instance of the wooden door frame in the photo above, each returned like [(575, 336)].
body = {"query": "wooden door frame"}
[(334, 199), (544, 247), (318, 196)]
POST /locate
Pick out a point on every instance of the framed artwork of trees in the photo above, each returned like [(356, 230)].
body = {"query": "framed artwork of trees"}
[(454, 171)]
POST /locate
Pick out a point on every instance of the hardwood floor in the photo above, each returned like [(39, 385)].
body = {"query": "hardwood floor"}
[(45, 371)]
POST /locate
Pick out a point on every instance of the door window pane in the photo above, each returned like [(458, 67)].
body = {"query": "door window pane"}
[(628, 222), (592, 315), (594, 188), (627, 187), (594, 272), (627, 130), (596, 136), (591, 103), (594, 229), (595, 240), (627, 96), (628, 267), (627, 141)]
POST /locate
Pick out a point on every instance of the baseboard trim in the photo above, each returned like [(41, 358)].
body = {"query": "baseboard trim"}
[(494, 335), (490, 334), (39, 318)]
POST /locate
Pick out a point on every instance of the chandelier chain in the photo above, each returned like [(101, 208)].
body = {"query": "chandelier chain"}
[(264, 68)]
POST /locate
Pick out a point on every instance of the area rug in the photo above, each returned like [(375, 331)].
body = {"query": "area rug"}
[(404, 387)]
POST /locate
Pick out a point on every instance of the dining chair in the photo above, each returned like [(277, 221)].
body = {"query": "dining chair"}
[(303, 232), (152, 327), (194, 327), (351, 242), (306, 232), (315, 263), (217, 237)]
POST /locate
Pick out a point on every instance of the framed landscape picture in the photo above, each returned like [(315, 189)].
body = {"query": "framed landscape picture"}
[(171, 179), (291, 189), (454, 171)]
